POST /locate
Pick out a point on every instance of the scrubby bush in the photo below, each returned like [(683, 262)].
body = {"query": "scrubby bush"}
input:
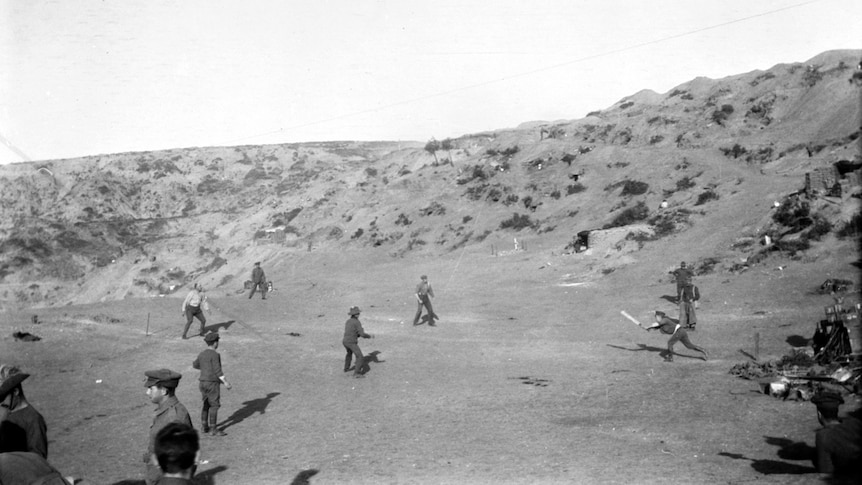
[(793, 213), (402, 220), (852, 228), (820, 226), (628, 216), (357, 234), (685, 183), (575, 188), (736, 151), (634, 187), (371, 172), (706, 196), (720, 115), (517, 222)]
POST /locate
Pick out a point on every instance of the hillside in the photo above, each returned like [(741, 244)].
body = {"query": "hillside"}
[(720, 152)]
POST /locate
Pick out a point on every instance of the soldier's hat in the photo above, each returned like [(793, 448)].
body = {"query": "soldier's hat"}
[(682, 265), (424, 277), (827, 400), (660, 313), (354, 310), (11, 383), (162, 377), (211, 337), (257, 263)]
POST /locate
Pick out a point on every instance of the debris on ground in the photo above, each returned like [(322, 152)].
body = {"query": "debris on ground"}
[(25, 337)]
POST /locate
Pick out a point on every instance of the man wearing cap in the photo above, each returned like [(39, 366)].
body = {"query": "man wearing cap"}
[(352, 331), (683, 277), (211, 379), (193, 307), (423, 294), (258, 280), (161, 387), (678, 334), (838, 443), (22, 413)]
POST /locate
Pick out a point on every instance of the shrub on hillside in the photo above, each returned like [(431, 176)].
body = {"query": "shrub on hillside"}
[(820, 226), (735, 151), (575, 188), (793, 213), (634, 187), (402, 220), (720, 115), (706, 196), (852, 228), (517, 222), (628, 216)]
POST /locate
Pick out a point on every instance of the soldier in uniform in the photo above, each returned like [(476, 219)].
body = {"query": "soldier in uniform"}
[(352, 331), (838, 443), (424, 293), (678, 334), (683, 276), (22, 413), (258, 280), (687, 304), (161, 387), (211, 379), (193, 307)]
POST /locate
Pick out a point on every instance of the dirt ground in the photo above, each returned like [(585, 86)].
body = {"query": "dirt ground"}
[(531, 376)]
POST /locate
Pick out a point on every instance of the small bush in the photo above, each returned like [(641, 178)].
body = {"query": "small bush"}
[(629, 216), (371, 172), (852, 228), (684, 183), (517, 222), (705, 197), (357, 234), (819, 228), (402, 220), (555, 194), (627, 104), (655, 139), (466, 219), (634, 187), (575, 188)]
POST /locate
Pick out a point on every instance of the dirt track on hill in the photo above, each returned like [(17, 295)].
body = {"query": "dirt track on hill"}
[(524, 380)]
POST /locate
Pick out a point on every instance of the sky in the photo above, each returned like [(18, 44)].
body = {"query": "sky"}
[(91, 77)]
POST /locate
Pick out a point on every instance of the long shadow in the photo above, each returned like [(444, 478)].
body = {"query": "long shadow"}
[(797, 341), (202, 478), (426, 319), (248, 409), (788, 450), (670, 298), (208, 477), (216, 327), (640, 348), (661, 351)]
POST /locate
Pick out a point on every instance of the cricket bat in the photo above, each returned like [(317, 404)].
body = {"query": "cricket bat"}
[(633, 319)]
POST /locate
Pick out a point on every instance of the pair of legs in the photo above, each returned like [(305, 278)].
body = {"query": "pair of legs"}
[(361, 366), (426, 302), (255, 286), (682, 336), (193, 312), (211, 394), (687, 316)]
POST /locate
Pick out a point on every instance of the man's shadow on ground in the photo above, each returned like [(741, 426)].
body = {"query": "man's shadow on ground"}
[(218, 326), (798, 341), (670, 298), (369, 358), (427, 319), (788, 450), (206, 477), (248, 409), (662, 351)]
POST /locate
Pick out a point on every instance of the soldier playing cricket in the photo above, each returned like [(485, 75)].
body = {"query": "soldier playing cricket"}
[(678, 334)]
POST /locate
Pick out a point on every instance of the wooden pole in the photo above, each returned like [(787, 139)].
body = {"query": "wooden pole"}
[(148, 324), (756, 345)]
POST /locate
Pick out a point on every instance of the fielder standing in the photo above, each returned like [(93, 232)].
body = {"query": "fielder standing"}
[(424, 293)]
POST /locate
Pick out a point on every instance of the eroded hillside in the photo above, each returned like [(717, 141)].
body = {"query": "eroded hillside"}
[(135, 224)]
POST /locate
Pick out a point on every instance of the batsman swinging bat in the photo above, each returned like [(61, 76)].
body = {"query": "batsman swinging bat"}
[(635, 320)]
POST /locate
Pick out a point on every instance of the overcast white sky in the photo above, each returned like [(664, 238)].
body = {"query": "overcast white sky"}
[(88, 77)]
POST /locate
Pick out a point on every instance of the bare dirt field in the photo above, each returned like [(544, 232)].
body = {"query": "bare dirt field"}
[(531, 376)]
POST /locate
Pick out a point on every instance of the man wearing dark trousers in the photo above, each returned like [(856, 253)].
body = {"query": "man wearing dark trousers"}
[(193, 307), (352, 331), (211, 379), (258, 280), (424, 293), (677, 334)]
